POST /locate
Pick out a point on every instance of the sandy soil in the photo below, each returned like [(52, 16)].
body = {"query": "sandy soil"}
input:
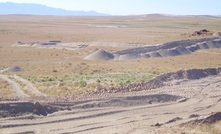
[(39, 72), (134, 112)]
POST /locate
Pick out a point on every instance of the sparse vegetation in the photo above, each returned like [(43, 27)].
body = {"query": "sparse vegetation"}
[(5, 90), (60, 73), (57, 84), (192, 129)]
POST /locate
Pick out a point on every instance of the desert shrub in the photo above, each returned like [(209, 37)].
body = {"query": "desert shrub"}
[(81, 84), (55, 71), (98, 81), (128, 81)]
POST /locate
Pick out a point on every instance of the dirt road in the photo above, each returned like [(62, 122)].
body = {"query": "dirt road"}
[(31, 88), (150, 112), (15, 86)]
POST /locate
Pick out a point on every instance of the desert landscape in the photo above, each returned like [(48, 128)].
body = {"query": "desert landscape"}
[(144, 74)]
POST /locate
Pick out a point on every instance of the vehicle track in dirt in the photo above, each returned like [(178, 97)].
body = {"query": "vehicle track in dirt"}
[(15, 86), (15, 82), (30, 86)]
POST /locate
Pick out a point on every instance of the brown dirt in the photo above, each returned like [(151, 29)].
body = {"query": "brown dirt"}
[(100, 55), (148, 111), (199, 96)]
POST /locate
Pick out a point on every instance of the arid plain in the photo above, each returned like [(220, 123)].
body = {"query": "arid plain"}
[(76, 74)]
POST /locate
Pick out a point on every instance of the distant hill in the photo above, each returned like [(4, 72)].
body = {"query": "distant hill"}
[(37, 9)]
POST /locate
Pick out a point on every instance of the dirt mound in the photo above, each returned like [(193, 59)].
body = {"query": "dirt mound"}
[(137, 50), (183, 74), (145, 55), (182, 50), (193, 48), (217, 43), (169, 52), (100, 55), (210, 44), (203, 45), (12, 69), (174, 48), (155, 54), (129, 56), (19, 108)]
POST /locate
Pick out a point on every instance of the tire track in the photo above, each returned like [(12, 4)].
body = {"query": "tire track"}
[(15, 86), (31, 88), (63, 120)]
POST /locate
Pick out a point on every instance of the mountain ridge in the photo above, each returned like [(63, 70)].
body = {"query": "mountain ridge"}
[(8, 8)]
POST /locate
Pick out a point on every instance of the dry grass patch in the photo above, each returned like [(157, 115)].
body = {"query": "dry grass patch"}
[(194, 129), (5, 90), (57, 85)]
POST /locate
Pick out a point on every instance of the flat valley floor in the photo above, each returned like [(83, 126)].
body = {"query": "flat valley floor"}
[(62, 79)]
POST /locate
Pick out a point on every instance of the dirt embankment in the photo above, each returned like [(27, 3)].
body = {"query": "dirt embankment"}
[(210, 119), (19, 108), (174, 48), (163, 79)]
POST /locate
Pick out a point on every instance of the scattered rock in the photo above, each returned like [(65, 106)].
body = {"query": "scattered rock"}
[(202, 32), (193, 116), (157, 125), (174, 120)]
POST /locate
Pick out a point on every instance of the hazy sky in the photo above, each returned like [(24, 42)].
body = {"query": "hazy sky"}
[(130, 7)]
